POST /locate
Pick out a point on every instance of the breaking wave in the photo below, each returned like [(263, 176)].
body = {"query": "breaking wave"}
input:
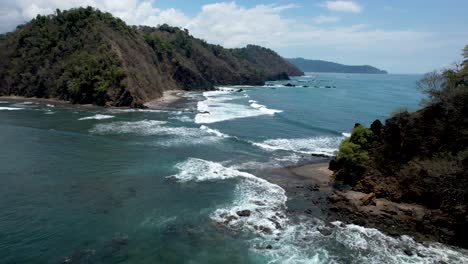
[(259, 207), (324, 145), (97, 117), (219, 106), (10, 108), (177, 135)]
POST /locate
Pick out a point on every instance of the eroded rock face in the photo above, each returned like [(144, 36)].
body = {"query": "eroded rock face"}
[(396, 218)]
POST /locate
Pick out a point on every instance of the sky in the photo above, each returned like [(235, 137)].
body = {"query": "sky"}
[(412, 36)]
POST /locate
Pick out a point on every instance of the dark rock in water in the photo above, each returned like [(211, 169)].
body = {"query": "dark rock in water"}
[(204, 112), (276, 223), (305, 86), (328, 86), (229, 219), (259, 203), (269, 247), (325, 231), (240, 90), (290, 85), (319, 155), (408, 252), (244, 213), (265, 230)]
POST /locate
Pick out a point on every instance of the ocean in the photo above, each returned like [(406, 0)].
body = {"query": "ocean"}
[(103, 185)]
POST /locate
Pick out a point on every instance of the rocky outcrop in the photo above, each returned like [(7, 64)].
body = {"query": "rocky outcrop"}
[(397, 219), (415, 160)]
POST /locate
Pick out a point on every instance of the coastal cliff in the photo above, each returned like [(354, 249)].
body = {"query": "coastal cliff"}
[(89, 57), (409, 175)]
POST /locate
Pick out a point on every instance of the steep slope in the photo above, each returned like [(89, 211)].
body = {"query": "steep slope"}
[(87, 56), (326, 66)]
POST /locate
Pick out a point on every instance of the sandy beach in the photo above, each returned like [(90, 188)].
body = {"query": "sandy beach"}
[(168, 98)]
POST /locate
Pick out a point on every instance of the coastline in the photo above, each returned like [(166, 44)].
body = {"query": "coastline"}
[(34, 99), (169, 97), (313, 192)]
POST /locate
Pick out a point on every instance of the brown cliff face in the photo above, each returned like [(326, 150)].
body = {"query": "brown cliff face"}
[(86, 56)]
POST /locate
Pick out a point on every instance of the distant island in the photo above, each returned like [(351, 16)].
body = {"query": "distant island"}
[(327, 66), (86, 56)]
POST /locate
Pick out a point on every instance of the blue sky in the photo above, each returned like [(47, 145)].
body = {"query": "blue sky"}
[(398, 36)]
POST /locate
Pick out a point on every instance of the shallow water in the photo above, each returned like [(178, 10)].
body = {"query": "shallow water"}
[(148, 186)]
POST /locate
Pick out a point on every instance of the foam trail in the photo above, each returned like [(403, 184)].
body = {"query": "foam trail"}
[(97, 117), (264, 109), (10, 108), (317, 145), (264, 201), (213, 131), (173, 136), (221, 106), (282, 240)]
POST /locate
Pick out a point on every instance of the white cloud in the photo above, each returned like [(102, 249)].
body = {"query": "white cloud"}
[(232, 25), (343, 6), (326, 19)]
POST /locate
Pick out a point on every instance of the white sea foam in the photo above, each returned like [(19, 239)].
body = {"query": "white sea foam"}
[(174, 136), (218, 106), (10, 108), (182, 118), (265, 201), (97, 117), (303, 240), (345, 134), (213, 131), (264, 109), (144, 127), (50, 105), (317, 145)]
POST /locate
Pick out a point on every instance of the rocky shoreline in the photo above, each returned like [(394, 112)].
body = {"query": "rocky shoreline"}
[(313, 192)]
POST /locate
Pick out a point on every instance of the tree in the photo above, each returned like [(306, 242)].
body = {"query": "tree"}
[(465, 55)]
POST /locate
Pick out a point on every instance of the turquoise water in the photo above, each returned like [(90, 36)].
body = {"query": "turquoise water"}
[(95, 185)]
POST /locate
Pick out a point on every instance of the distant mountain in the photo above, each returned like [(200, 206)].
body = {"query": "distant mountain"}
[(89, 57), (326, 66)]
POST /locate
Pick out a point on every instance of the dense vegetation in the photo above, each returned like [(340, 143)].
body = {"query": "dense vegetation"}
[(419, 157), (87, 56), (326, 66)]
